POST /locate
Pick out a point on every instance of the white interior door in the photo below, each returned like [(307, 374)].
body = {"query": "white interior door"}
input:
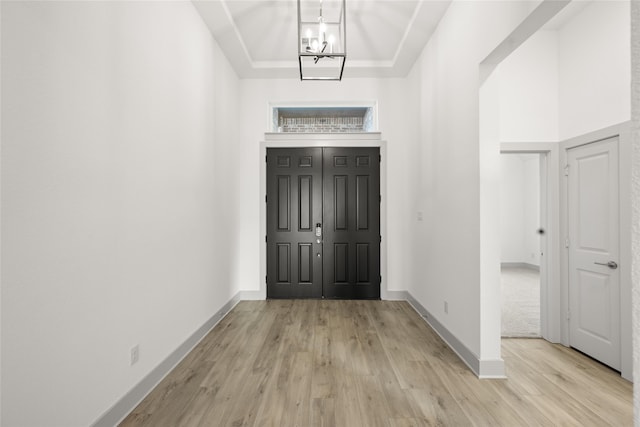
[(594, 279)]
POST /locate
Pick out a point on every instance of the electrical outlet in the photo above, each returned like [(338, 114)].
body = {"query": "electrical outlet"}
[(446, 307), (135, 354), (420, 215)]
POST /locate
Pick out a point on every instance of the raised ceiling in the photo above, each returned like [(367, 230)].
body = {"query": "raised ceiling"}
[(259, 37)]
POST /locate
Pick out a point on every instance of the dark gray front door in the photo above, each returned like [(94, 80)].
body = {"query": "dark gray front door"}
[(323, 223), (294, 206), (352, 223)]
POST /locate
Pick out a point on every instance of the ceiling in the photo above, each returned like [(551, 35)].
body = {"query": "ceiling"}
[(259, 37), (569, 12)]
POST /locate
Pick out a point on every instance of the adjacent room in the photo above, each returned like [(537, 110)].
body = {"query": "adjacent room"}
[(317, 212), (521, 232)]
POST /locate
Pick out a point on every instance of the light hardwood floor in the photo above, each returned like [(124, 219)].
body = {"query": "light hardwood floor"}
[(371, 363)]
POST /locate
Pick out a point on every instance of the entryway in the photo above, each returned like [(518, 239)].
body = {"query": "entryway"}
[(522, 241), (323, 222)]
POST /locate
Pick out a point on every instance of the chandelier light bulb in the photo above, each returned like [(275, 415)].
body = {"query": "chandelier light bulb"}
[(308, 37), (314, 45), (323, 30), (332, 40)]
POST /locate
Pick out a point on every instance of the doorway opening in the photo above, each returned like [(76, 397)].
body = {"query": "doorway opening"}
[(522, 233)]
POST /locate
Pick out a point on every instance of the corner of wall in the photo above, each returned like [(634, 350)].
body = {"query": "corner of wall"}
[(483, 368), (133, 397)]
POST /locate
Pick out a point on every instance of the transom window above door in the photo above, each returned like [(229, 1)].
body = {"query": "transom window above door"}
[(312, 119)]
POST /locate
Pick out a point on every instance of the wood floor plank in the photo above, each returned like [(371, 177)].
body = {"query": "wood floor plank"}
[(371, 363), (478, 401), (408, 422), (323, 378), (323, 412), (374, 411), (297, 394), (347, 403), (438, 410), (235, 367), (433, 401), (590, 393), (519, 403)]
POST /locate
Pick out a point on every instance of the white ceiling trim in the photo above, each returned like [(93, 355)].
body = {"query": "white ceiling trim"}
[(405, 36), (236, 31), (274, 64), (416, 30), (293, 64)]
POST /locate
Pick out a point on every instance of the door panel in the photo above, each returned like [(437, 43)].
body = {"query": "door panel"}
[(294, 202), (351, 223), (594, 288), (338, 189), (284, 201), (305, 207), (593, 294)]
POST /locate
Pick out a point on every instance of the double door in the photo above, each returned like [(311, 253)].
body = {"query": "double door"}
[(323, 222)]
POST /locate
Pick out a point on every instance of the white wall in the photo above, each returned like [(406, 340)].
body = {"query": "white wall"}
[(447, 262), (117, 122), (396, 122), (511, 208), (594, 73), (568, 81), (520, 208), (529, 91)]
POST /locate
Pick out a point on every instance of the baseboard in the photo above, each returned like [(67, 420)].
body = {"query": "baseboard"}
[(492, 368), (482, 368), (129, 401), (395, 296), (386, 295), (252, 295), (520, 265)]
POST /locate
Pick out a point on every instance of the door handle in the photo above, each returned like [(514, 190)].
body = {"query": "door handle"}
[(611, 264)]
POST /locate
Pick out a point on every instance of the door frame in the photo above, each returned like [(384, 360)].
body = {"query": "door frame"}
[(623, 132), (550, 308), (283, 140)]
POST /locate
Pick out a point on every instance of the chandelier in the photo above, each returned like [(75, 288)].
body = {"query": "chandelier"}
[(321, 39)]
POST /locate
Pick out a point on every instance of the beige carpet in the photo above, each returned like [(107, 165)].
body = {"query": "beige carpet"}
[(520, 302)]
